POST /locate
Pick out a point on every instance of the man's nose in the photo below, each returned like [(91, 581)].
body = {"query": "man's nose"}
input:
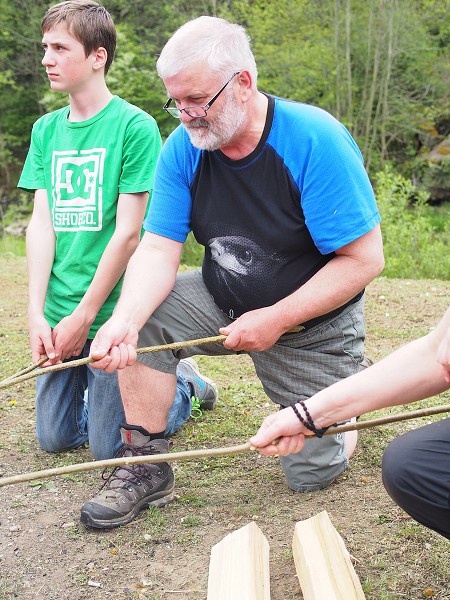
[(185, 118)]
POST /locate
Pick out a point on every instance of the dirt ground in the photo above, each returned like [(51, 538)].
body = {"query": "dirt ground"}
[(45, 553)]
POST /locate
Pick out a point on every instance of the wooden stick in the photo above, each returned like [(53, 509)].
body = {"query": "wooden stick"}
[(124, 460), (193, 454), (26, 370), (405, 416), (9, 381)]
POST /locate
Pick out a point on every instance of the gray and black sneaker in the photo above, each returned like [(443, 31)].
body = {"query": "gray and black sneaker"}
[(131, 488), (202, 388)]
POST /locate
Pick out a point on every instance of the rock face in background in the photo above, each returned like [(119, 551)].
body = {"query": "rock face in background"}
[(432, 171)]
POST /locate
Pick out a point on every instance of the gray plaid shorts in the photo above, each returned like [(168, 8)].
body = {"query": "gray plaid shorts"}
[(296, 367)]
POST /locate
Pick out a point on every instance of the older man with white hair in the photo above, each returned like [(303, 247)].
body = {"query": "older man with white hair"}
[(277, 193)]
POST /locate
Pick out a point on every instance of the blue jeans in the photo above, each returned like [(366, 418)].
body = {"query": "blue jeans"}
[(81, 404)]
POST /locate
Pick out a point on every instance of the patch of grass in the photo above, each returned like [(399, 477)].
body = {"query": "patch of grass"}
[(192, 252), (155, 522), (7, 591), (12, 245), (395, 557), (371, 445), (410, 241), (439, 216), (287, 554), (188, 538), (75, 532), (192, 500), (192, 521), (78, 577)]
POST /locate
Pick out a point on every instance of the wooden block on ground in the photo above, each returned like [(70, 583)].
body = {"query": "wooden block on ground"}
[(239, 566), (322, 561)]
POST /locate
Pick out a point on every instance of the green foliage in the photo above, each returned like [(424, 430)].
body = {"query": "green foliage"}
[(382, 68), (412, 248), (379, 67), (133, 77), (292, 42), (20, 210), (192, 252)]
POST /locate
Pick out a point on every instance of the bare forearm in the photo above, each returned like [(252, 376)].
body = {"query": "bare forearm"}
[(40, 241), (413, 372), (344, 276), (319, 296), (40, 247), (115, 257), (149, 278)]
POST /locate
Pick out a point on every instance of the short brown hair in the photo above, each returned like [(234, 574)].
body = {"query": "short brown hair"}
[(89, 22)]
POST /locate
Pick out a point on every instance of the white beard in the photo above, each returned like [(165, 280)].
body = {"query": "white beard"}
[(219, 130)]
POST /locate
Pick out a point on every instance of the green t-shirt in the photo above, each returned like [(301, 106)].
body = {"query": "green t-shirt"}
[(84, 167)]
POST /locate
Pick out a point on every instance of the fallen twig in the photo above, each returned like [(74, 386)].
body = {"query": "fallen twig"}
[(203, 453)]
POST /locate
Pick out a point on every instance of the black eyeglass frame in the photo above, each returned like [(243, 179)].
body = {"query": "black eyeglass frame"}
[(175, 112)]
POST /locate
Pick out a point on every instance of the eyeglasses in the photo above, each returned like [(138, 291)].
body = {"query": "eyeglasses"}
[(195, 112)]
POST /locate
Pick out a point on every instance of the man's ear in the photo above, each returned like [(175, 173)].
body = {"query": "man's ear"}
[(245, 85), (100, 57)]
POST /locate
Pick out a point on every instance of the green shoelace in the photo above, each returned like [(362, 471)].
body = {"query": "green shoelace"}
[(196, 411)]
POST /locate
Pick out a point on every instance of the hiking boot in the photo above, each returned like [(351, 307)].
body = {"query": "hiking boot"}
[(131, 488), (202, 388)]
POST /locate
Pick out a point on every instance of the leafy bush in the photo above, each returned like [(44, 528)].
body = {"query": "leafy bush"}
[(416, 236), (412, 247), (192, 252)]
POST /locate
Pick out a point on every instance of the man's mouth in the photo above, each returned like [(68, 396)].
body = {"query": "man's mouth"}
[(197, 124)]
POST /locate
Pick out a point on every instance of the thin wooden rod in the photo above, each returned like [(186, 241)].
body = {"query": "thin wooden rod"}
[(123, 460), (35, 372), (194, 454)]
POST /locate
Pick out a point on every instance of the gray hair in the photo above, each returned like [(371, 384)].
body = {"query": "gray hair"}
[(223, 46)]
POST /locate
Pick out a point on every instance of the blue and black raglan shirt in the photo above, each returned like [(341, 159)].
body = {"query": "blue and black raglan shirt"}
[(273, 219)]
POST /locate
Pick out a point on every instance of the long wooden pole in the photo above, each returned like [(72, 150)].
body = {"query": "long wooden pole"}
[(34, 371), (203, 453)]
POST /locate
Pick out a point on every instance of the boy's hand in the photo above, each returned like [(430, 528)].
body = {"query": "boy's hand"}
[(40, 334), (69, 336), (114, 346)]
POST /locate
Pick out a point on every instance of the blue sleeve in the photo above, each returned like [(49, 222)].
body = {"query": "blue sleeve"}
[(336, 195), (169, 214)]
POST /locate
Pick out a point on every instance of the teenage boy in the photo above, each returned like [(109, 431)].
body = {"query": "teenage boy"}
[(91, 167)]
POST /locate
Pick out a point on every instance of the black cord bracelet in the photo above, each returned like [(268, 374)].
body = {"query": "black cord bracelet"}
[(308, 422)]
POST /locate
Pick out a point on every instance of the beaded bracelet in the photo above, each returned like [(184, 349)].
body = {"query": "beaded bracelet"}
[(308, 422)]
